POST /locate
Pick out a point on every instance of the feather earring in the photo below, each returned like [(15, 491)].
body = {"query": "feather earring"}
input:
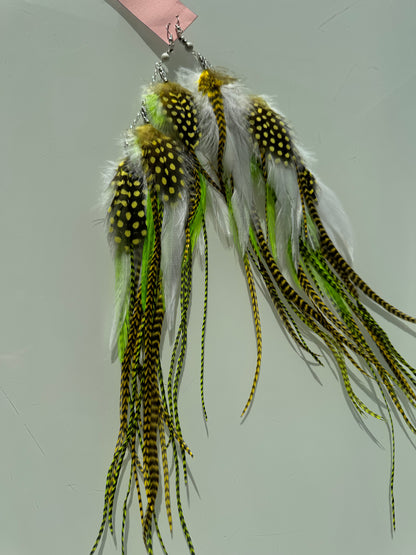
[(207, 146), (155, 217), (295, 233)]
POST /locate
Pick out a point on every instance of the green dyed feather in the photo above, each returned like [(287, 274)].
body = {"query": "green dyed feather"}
[(148, 247)]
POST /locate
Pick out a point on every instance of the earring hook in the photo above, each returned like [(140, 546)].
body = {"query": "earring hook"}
[(203, 62)]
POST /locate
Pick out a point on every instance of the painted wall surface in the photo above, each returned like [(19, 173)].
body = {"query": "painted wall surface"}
[(300, 474)]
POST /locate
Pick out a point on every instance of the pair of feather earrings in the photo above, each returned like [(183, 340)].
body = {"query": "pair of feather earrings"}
[(208, 147)]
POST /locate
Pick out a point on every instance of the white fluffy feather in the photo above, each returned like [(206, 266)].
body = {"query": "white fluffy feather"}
[(335, 221), (237, 156), (121, 303), (217, 211), (108, 192), (173, 241), (283, 181)]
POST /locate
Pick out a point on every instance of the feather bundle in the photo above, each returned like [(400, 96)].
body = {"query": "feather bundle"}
[(209, 146)]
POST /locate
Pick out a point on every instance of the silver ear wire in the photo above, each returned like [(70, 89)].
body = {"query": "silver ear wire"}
[(179, 33), (166, 55), (160, 72), (160, 67), (203, 62)]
